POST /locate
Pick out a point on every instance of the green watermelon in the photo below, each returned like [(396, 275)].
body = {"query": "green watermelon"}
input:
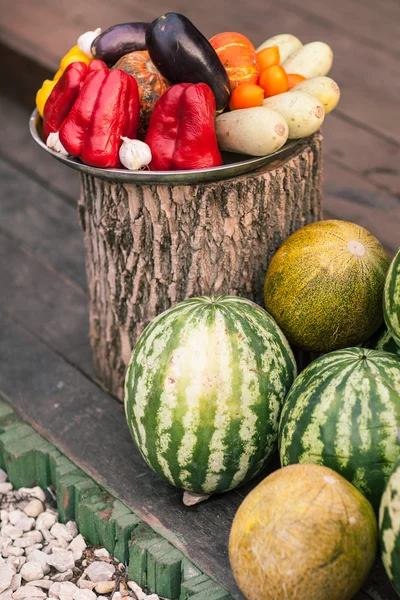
[(342, 412), (389, 528), (383, 340), (391, 298), (204, 391)]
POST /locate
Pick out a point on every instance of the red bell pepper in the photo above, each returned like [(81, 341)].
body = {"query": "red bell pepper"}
[(107, 108), (64, 94), (181, 132)]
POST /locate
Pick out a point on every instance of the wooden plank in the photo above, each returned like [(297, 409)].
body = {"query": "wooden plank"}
[(23, 152), (347, 196), (46, 303), (49, 29), (89, 426), (43, 222)]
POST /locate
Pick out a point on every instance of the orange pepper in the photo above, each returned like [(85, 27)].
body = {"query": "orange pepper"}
[(246, 95), (294, 79), (268, 57), (274, 81)]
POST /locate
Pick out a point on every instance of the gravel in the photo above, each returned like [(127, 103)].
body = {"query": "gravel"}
[(41, 558)]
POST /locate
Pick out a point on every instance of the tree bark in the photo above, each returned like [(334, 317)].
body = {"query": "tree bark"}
[(151, 246)]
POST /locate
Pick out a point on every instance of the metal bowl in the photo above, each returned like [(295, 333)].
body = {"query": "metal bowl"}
[(234, 164)]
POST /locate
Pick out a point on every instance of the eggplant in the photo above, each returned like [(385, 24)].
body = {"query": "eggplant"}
[(118, 40), (183, 55)]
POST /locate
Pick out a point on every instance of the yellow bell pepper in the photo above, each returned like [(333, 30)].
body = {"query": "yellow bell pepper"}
[(75, 54)]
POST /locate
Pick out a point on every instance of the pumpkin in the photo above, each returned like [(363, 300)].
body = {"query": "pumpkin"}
[(151, 83), (238, 55)]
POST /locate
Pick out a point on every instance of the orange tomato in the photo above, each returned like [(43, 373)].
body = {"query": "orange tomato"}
[(274, 81), (246, 95), (294, 79), (268, 57)]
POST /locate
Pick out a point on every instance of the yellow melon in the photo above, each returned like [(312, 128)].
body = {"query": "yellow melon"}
[(303, 533), (324, 286)]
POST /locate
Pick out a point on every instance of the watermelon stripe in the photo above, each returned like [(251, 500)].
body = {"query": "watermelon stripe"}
[(389, 528), (204, 391), (391, 298), (342, 412), (384, 341)]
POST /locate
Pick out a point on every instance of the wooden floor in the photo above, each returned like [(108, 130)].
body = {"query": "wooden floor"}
[(45, 361)]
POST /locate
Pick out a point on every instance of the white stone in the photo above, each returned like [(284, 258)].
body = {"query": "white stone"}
[(29, 591), (4, 516), (15, 582), (42, 583), (152, 597), (3, 476), (30, 549), (117, 596), (26, 524), (12, 532), (46, 534), (6, 575), (34, 508), (102, 553), (15, 515), (102, 598), (30, 538), (13, 551), (7, 595), (65, 591), (72, 528), (78, 545), (5, 487), (84, 595), (62, 560), (100, 571), (65, 576), (60, 544), (35, 492), (16, 562), (84, 584), (54, 590), (137, 590), (46, 520), (38, 555), (62, 532), (32, 570), (105, 587), (4, 542)]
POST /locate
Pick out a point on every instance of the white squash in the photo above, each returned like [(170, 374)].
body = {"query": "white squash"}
[(303, 113), (312, 60), (324, 88), (286, 42), (256, 131)]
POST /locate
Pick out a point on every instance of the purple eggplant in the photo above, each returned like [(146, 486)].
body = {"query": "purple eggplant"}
[(119, 40), (183, 55)]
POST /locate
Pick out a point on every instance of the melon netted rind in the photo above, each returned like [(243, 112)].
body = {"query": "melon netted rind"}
[(324, 286), (204, 392), (343, 412), (303, 532), (391, 298), (389, 528)]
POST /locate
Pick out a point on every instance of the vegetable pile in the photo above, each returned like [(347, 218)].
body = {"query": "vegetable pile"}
[(212, 392), (161, 96)]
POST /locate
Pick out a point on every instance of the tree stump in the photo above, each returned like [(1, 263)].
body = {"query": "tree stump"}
[(151, 246)]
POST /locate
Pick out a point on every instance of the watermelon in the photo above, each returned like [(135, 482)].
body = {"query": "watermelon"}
[(389, 528), (204, 391), (324, 286), (342, 412), (391, 298), (383, 340)]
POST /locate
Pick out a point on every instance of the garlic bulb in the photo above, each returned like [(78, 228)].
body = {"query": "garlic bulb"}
[(86, 39), (134, 154), (53, 142)]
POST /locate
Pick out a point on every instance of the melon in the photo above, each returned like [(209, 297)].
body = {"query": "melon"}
[(389, 528), (342, 412), (383, 340), (324, 286), (303, 532), (391, 298), (204, 391)]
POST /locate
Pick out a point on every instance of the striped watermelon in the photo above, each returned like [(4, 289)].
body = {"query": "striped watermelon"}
[(389, 528), (204, 391), (342, 412), (382, 340), (391, 298)]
